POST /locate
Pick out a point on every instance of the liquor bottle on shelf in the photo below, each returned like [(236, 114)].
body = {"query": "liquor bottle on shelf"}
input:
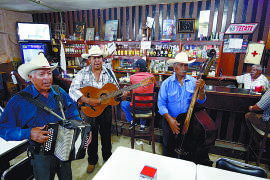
[(170, 52)]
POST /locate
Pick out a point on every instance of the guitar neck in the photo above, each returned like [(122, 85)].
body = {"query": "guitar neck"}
[(120, 91)]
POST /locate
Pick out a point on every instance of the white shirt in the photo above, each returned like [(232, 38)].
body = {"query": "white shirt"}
[(250, 84)]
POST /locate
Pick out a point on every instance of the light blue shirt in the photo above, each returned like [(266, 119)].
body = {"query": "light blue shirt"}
[(174, 98)]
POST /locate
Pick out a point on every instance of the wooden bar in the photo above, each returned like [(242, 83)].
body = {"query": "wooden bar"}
[(136, 22), (124, 24), (258, 18), (66, 22), (130, 24), (102, 24), (212, 11), (230, 128), (220, 15), (179, 15), (164, 16), (157, 23)]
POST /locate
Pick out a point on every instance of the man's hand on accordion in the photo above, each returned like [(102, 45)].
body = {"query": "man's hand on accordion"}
[(39, 135), (90, 139)]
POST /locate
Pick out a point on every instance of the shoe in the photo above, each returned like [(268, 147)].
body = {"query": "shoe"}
[(90, 168), (131, 125), (142, 128)]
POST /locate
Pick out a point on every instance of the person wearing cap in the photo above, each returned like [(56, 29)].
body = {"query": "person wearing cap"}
[(22, 119), (174, 99), (95, 75), (140, 74)]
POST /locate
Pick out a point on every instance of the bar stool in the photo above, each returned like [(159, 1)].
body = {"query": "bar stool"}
[(257, 142), (137, 101)]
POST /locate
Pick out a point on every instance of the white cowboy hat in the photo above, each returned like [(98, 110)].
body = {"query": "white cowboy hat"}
[(94, 51), (37, 62), (180, 58)]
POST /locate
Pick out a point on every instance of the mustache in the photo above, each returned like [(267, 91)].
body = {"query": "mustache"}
[(183, 71)]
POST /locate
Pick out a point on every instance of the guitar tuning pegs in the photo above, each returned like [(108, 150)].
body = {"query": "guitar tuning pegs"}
[(211, 52)]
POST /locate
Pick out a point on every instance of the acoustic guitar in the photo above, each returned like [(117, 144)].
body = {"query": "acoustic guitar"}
[(107, 94)]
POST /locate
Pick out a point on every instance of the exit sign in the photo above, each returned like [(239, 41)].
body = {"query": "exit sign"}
[(245, 28)]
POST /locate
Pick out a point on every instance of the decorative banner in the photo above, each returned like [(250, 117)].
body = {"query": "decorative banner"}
[(245, 28), (254, 53)]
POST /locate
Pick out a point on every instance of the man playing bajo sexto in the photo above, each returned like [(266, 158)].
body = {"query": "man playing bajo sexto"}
[(95, 76), (174, 99)]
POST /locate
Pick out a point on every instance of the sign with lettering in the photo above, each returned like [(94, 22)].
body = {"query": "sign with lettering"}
[(245, 28)]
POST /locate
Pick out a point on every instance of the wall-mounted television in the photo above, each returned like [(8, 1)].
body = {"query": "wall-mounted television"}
[(33, 32)]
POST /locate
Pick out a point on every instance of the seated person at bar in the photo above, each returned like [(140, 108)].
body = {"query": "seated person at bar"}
[(260, 120), (140, 74), (22, 119), (174, 99), (252, 79)]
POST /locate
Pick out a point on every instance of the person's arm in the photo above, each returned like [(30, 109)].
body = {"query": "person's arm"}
[(201, 94), (254, 108), (227, 78), (173, 123)]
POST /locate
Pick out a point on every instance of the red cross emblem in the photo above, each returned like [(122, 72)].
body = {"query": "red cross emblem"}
[(254, 53)]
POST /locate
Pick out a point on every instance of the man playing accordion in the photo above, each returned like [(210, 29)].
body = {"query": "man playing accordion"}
[(22, 119)]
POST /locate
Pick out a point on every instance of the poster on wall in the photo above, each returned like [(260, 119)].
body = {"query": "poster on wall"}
[(168, 27), (111, 30), (89, 35), (254, 53), (79, 28)]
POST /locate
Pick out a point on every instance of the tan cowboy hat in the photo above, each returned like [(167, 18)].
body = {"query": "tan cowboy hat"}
[(180, 58), (94, 51), (37, 62)]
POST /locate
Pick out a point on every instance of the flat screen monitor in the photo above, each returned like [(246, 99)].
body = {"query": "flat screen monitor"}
[(33, 32), (29, 50)]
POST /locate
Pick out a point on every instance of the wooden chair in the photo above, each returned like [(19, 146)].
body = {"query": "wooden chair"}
[(23, 170), (236, 166), (257, 143), (150, 115)]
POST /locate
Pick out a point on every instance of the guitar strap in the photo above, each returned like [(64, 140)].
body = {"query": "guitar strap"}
[(110, 72)]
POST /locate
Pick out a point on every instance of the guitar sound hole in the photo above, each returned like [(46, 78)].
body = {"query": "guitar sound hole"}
[(103, 96)]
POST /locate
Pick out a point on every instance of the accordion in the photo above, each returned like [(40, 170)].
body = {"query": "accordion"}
[(67, 140)]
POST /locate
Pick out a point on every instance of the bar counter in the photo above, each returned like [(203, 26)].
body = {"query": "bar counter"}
[(226, 106)]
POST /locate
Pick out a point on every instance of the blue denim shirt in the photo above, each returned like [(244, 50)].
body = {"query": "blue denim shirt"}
[(174, 98), (20, 115)]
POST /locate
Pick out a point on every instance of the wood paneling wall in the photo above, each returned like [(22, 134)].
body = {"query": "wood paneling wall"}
[(223, 12), (131, 19)]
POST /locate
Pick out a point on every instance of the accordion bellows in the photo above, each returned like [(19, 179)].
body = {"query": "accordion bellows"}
[(67, 141)]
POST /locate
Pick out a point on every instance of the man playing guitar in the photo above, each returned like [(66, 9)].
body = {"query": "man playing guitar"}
[(95, 75)]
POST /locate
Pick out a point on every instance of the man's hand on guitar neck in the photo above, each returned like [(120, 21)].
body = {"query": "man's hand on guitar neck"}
[(92, 101), (173, 123)]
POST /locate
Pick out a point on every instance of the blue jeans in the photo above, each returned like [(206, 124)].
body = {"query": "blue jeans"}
[(128, 109), (46, 166)]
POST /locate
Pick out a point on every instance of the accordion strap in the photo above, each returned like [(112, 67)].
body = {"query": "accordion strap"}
[(42, 105)]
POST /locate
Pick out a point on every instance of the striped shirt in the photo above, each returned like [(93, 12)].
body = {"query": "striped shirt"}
[(264, 104), (85, 77), (250, 84)]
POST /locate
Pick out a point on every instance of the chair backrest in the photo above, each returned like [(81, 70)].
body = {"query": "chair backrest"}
[(236, 166), (23, 170), (140, 99)]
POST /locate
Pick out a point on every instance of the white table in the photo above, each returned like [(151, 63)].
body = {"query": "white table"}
[(126, 163), (211, 173), (9, 150)]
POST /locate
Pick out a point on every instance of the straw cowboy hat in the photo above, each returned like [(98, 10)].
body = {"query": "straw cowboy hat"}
[(180, 58), (37, 62), (94, 51)]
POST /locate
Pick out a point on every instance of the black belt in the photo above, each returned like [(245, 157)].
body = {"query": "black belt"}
[(35, 149)]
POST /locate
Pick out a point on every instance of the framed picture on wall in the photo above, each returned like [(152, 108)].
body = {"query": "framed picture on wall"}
[(79, 29), (186, 26), (111, 30), (89, 34)]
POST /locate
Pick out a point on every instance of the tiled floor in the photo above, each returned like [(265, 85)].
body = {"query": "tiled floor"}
[(79, 166)]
